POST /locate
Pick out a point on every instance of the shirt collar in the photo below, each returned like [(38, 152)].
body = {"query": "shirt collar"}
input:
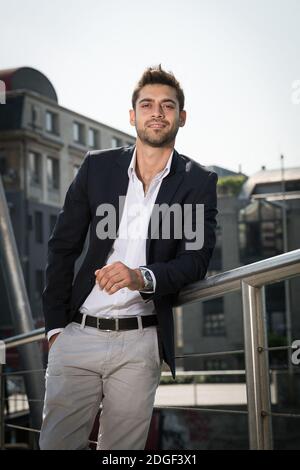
[(160, 175)]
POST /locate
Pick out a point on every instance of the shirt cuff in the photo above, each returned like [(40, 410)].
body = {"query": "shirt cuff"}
[(154, 282), (53, 332)]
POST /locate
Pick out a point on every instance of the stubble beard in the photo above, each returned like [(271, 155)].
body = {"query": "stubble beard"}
[(160, 138)]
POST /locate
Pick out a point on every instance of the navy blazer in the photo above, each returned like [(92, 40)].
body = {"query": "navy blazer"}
[(102, 178)]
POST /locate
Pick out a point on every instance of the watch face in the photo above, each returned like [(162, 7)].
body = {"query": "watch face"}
[(147, 279)]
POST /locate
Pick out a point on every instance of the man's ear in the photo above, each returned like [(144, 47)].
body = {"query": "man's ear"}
[(132, 117), (182, 118)]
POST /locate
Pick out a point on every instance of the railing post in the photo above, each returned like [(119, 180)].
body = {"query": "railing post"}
[(257, 368)]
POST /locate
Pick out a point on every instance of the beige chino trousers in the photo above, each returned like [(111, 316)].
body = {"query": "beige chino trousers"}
[(87, 367)]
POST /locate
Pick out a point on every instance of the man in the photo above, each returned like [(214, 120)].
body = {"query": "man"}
[(110, 330)]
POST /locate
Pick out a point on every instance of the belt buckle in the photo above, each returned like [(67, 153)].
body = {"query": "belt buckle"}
[(98, 324), (108, 318)]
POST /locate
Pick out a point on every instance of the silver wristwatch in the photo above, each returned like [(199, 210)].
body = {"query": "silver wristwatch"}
[(148, 281)]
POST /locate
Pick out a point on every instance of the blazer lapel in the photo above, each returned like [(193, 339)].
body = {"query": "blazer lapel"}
[(121, 181)]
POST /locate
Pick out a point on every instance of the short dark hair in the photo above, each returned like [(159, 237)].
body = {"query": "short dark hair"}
[(156, 75)]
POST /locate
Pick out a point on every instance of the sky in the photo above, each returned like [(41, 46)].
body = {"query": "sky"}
[(238, 62)]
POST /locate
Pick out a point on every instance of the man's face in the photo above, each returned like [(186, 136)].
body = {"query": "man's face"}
[(156, 116)]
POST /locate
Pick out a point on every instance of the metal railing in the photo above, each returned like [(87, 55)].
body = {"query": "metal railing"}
[(250, 280)]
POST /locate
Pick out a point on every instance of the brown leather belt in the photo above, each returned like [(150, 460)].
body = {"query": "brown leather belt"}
[(116, 324)]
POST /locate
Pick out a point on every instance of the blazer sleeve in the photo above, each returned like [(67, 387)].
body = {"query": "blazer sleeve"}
[(64, 247), (189, 265)]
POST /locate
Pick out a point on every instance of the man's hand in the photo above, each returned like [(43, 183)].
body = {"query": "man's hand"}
[(115, 276), (52, 339)]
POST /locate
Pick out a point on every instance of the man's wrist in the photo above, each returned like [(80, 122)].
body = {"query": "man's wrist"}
[(140, 279)]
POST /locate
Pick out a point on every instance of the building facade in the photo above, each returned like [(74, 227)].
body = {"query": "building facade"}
[(42, 145)]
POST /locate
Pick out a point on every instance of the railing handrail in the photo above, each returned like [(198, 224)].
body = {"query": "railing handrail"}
[(24, 338), (255, 274)]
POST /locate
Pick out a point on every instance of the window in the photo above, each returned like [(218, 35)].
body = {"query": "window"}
[(292, 185), (34, 116), (38, 226), (53, 173), (93, 138), (116, 142), (275, 308), (78, 132), (51, 122), (213, 318), (35, 168), (260, 231)]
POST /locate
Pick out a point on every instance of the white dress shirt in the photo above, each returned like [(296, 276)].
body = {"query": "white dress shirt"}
[(130, 248)]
